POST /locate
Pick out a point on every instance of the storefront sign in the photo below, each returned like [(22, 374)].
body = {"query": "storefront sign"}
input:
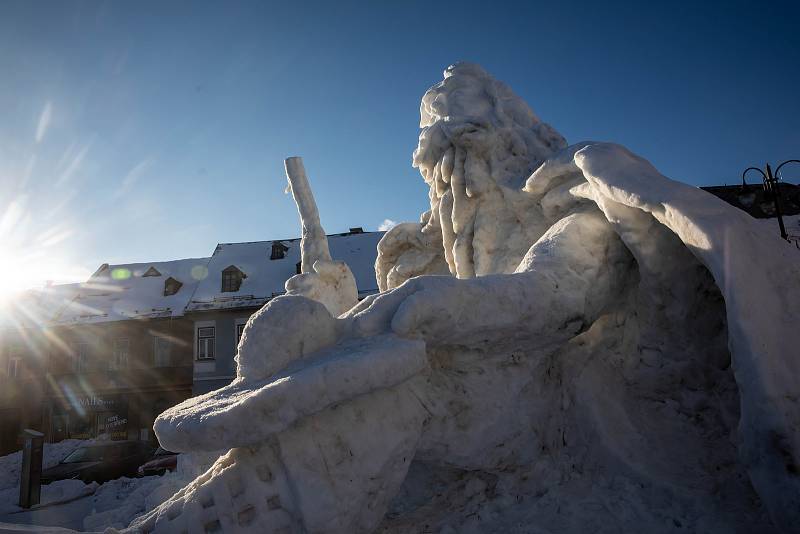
[(97, 403)]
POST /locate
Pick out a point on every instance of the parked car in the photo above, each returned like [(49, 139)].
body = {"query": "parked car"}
[(100, 462), (161, 462)]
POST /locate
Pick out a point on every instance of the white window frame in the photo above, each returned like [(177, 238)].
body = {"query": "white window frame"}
[(13, 361), (240, 322), (156, 362), (119, 357), (14, 366), (82, 357), (197, 326)]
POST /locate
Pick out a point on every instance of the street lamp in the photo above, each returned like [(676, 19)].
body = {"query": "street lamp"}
[(771, 189)]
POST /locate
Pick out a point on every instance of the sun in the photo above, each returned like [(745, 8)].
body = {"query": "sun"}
[(33, 261)]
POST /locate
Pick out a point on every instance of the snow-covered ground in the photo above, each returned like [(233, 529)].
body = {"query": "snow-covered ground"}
[(53, 453), (76, 505)]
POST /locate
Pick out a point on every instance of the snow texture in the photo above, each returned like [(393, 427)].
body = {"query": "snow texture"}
[(568, 341)]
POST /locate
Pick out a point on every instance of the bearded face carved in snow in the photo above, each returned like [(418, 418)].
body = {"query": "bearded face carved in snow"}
[(591, 341), (479, 143)]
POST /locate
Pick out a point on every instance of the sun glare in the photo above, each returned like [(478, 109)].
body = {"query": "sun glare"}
[(30, 260)]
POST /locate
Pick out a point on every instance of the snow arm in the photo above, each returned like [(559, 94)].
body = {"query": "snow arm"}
[(560, 287)]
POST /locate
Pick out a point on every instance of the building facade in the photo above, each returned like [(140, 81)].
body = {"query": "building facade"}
[(108, 355), (104, 357)]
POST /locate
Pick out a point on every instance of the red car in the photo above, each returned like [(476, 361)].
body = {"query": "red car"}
[(162, 461)]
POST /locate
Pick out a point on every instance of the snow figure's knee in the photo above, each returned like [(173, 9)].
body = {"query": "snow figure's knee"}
[(285, 329)]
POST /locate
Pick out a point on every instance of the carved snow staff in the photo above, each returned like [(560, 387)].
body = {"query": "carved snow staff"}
[(772, 189), (584, 336), (321, 278), (314, 242)]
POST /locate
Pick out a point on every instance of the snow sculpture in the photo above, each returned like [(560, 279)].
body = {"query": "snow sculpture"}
[(614, 350), (321, 279)]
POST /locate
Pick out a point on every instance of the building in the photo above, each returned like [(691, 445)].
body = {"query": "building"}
[(102, 357), (755, 201), (24, 355), (108, 355)]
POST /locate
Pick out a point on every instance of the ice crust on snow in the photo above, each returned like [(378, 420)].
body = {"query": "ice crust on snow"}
[(568, 341)]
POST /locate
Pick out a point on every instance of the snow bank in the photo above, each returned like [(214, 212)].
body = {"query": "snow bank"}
[(53, 453), (117, 502)]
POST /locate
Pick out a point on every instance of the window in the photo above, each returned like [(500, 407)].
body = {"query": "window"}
[(232, 279), (152, 271), (81, 357), (278, 250), (162, 352), (205, 343), (119, 358), (14, 362), (239, 330), (14, 366), (171, 286)]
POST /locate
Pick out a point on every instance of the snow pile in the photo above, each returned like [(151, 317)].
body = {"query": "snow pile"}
[(607, 350), (117, 502), (52, 453)]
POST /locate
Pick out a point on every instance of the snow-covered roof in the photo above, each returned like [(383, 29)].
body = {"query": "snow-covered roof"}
[(137, 290), (134, 291), (265, 277), (38, 307)]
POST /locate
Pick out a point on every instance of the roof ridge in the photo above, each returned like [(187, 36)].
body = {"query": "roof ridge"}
[(339, 234)]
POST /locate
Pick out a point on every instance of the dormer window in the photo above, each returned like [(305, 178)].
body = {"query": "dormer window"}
[(278, 250), (232, 279), (171, 286), (152, 271)]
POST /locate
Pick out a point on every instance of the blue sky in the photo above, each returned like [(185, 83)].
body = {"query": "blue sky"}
[(136, 131)]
